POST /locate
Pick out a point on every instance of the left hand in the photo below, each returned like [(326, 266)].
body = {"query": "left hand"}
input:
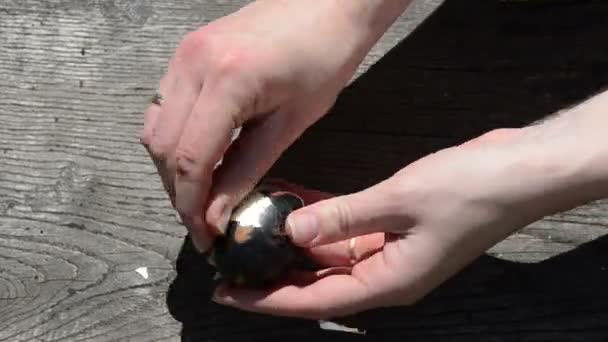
[(418, 228), (257, 69)]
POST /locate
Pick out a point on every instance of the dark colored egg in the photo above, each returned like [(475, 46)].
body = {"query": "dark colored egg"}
[(255, 250)]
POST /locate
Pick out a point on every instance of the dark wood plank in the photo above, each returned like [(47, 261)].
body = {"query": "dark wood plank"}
[(81, 208)]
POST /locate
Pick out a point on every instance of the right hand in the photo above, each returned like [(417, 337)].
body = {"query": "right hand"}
[(415, 230), (274, 67)]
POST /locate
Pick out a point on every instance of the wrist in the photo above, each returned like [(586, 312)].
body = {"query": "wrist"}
[(570, 149), (344, 32), (588, 143), (371, 18)]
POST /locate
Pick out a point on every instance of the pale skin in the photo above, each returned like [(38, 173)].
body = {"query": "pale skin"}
[(414, 230)]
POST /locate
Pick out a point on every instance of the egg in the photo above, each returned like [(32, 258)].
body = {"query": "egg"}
[(255, 249)]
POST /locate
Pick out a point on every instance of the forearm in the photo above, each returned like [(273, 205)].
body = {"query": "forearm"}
[(372, 18), (571, 148)]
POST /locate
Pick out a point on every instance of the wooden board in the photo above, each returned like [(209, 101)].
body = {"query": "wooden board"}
[(89, 247)]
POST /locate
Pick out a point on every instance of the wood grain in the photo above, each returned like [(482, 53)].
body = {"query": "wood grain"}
[(81, 207)]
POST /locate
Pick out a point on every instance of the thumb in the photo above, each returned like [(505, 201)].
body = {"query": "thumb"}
[(370, 211)]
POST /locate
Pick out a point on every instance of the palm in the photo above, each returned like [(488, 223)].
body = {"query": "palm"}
[(375, 255), (400, 266)]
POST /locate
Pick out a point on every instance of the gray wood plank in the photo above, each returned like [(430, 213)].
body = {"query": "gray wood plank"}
[(81, 208)]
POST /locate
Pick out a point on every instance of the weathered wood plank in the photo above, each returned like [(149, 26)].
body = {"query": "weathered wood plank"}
[(81, 208)]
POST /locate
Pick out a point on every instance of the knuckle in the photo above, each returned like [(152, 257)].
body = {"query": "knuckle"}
[(186, 162), (158, 149), (145, 138), (229, 64), (192, 44), (221, 60), (189, 163), (342, 214)]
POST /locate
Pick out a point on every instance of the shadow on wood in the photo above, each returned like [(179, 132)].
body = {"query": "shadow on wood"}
[(560, 299), (471, 67)]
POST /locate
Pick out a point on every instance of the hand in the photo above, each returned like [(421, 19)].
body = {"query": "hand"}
[(435, 216), (274, 68)]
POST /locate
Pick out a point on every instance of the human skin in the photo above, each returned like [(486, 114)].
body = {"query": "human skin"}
[(435, 216), (259, 68), (274, 67)]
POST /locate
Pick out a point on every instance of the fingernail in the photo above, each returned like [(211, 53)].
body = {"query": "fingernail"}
[(302, 228)]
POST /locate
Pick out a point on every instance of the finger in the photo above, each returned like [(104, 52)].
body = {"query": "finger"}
[(332, 296), (152, 113), (206, 135), (305, 278), (373, 210), (245, 163), (342, 253), (179, 89), (150, 117), (332, 292), (308, 195), (347, 252)]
